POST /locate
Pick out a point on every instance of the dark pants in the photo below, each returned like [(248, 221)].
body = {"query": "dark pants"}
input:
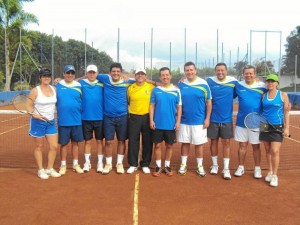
[(139, 124)]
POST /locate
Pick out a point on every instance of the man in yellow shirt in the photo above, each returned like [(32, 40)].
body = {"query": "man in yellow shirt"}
[(139, 95)]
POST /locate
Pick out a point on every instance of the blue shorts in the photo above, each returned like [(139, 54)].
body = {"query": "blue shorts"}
[(116, 125), (67, 133), (39, 128)]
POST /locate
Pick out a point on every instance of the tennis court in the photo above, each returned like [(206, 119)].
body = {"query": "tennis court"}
[(142, 199)]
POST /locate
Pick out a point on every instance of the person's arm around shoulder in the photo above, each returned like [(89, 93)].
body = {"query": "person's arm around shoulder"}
[(154, 83), (56, 80), (286, 114)]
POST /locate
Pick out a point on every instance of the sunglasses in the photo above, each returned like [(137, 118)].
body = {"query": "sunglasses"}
[(70, 72)]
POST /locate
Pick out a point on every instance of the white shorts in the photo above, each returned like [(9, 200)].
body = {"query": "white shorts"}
[(193, 134), (245, 135)]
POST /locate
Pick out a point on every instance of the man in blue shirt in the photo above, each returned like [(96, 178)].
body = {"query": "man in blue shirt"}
[(115, 114), (222, 90), (196, 110), (69, 117), (92, 116), (165, 115), (249, 92)]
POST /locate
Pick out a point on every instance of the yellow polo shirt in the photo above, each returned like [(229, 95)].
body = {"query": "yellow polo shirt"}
[(139, 98)]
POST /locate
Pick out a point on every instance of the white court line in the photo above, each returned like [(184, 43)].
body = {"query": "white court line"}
[(3, 121), (13, 129), (293, 139), (295, 127), (136, 201)]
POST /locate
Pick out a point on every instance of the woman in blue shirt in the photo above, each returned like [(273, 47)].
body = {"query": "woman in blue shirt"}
[(275, 107)]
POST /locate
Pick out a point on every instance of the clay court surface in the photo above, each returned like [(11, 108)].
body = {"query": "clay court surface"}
[(97, 199), (92, 198)]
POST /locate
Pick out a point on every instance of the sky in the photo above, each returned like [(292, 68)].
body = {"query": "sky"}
[(181, 30)]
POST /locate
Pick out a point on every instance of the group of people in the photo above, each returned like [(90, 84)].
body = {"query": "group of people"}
[(105, 105)]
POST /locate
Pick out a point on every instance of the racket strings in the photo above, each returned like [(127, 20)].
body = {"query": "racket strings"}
[(20, 102), (255, 121)]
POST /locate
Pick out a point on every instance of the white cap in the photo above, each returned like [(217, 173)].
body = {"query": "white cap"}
[(140, 69), (91, 68)]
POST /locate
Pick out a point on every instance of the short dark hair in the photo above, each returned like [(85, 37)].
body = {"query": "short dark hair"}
[(249, 67), (163, 69), (221, 64), (116, 65), (189, 63)]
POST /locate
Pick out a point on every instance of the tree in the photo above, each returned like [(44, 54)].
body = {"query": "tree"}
[(264, 67), (238, 66), (292, 49), (12, 19), (206, 72)]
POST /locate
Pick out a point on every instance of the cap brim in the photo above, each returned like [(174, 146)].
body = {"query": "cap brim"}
[(140, 72)]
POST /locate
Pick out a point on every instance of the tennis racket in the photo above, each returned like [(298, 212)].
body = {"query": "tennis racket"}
[(24, 104), (258, 123)]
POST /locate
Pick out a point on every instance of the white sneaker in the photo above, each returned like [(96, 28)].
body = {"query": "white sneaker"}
[(146, 169), (107, 168), (201, 171), (268, 178), (63, 170), (131, 169), (257, 173), (99, 167), (120, 168), (77, 169), (214, 169), (226, 174), (52, 173), (86, 167), (274, 181), (42, 174), (182, 170), (239, 172)]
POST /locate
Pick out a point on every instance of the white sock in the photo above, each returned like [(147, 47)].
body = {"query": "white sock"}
[(64, 163), (158, 163), (167, 163), (199, 161), (120, 158), (100, 158), (241, 166), (214, 160), (184, 160), (108, 160), (87, 157), (257, 167), (226, 163), (75, 162)]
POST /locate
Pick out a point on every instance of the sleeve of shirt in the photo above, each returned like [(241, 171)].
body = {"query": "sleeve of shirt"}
[(179, 102), (152, 99)]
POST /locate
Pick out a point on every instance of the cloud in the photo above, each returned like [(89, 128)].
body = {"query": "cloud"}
[(134, 20)]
